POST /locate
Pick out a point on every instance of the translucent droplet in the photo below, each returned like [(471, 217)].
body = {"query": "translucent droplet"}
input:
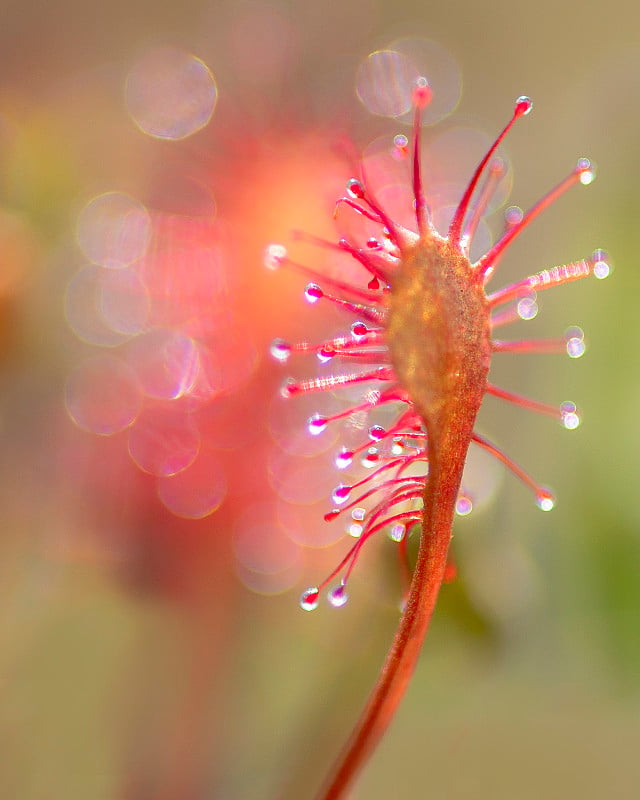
[(280, 350), (376, 433), (370, 458), (355, 189), (570, 416), (397, 532), (576, 346), (601, 264), (422, 93), (513, 216), (373, 243), (586, 171), (313, 293), (464, 505), (397, 448), (113, 230), (288, 388), (358, 514), (341, 494), (331, 515), (325, 354), (309, 599), (359, 331), (355, 530), (400, 147), (524, 105), (344, 459), (545, 500), (274, 256), (317, 424), (527, 308), (170, 94), (338, 597)]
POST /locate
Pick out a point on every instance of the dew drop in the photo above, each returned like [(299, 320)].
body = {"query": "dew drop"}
[(317, 424), (355, 189), (422, 93), (338, 597), (523, 106), (464, 505), (358, 514), (359, 331), (377, 433), (576, 346), (601, 265), (309, 599), (344, 459), (400, 147), (397, 448), (274, 256), (288, 388), (370, 458), (397, 532), (331, 515), (545, 500), (325, 354), (341, 494), (280, 350), (586, 171), (570, 416), (527, 308), (373, 243), (355, 530), (313, 293), (513, 216)]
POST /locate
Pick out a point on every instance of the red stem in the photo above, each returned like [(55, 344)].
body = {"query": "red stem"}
[(445, 473)]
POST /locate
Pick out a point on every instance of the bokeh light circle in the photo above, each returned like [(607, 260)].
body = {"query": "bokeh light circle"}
[(103, 395), (384, 83), (166, 362), (197, 491), (83, 312), (386, 79), (124, 301), (170, 93), (163, 442), (113, 230)]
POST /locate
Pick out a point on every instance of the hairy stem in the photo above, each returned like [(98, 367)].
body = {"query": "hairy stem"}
[(445, 473)]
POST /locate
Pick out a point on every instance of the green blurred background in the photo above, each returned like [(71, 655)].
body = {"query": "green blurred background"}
[(134, 664)]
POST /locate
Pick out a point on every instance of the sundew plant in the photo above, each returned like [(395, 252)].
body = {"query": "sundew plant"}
[(425, 320)]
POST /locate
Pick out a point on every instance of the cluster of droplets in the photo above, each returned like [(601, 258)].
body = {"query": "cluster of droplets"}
[(395, 457)]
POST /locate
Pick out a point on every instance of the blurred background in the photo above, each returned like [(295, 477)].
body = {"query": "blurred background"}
[(157, 531)]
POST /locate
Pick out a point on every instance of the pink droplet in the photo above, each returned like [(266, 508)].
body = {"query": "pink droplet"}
[(422, 93), (523, 106)]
